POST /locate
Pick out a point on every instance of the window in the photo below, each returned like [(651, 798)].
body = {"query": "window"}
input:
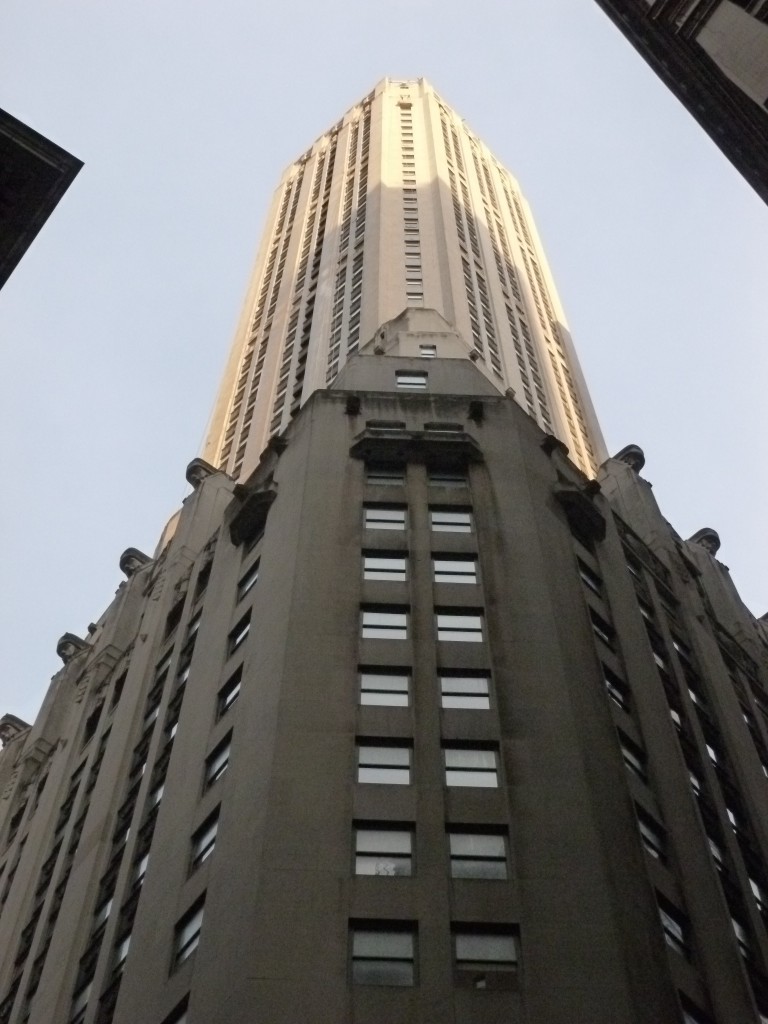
[(458, 626), (247, 581), (383, 622), (229, 693), (378, 475), (616, 688), (384, 687), (742, 938), (408, 380), (590, 578), (674, 926), (466, 690), (204, 840), (139, 870), (382, 953), (457, 569), (217, 761), (120, 955), (383, 851), (447, 478), (634, 758), (427, 351), (602, 630), (717, 853), (445, 520), (237, 636), (384, 764), (80, 1004), (384, 567), (482, 951), (761, 899), (187, 934), (384, 517), (471, 766), (179, 1013), (477, 854), (651, 834)]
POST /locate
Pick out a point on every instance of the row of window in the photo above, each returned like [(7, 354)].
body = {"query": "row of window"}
[(389, 763), (463, 689), (393, 567), (394, 517), (390, 622)]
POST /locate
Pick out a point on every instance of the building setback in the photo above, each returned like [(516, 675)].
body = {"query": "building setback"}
[(399, 204), (713, 55), (417, 723)]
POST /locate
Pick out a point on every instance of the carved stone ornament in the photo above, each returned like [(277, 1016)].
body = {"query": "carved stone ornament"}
[(69, 645), (708, 539), (132, 560), (11, 726), (197, 471), (633, 456)]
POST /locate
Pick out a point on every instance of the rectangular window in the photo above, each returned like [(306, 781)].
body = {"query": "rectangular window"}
[(384, 622), (602, 629), (384, 764), (674, 927), (204, 840), (409, 380), (466, 690), (456, 569), (217, 761), (187, 934), (444, 520), (382, 566), (467, 628), (652, 835), (384, 687), (590, 578), (239, 634), (616, 688), (447, 478), (247, 581), (477, 854), (484, 951), (384, 517), (382, 953), (475, 767), (428, 351), (229, 693), (382, 851), (378, 475)]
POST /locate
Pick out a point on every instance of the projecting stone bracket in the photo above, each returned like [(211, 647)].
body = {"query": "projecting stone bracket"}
[(580, 510), (10, 727), (388, 445), (251, 517)]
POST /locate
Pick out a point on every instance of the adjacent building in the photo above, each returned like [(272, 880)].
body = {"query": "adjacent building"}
[(412, 719), (713, 55), (34, 175)]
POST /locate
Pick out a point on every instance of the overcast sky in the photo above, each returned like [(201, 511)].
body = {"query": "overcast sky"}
[(115, 326)]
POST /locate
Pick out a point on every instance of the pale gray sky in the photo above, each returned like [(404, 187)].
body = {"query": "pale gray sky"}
[(115, 326)]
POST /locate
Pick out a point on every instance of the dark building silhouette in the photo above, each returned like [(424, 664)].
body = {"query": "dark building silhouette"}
[(713, 55), (34, 175), (417, 723)]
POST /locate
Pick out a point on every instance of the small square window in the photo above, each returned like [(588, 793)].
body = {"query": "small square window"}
[(217, 761), (384, 517), (470, 691), (410, 380), (383, 851), (477, 854), (446, 520), (229, 693), (428, 351), (384, 622), (384, 687), (247, 581), (384, 764), (475, 767), (204, 840), (485, 950), (381, 566), (464, 627), (383, 953), (381, 475), (187, 934), (454, 569), (239, 634)]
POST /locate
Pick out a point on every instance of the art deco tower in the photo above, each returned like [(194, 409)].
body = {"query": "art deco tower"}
[(398, 205)]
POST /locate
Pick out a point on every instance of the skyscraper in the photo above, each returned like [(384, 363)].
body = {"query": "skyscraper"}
[(415, 722), (713, 55), (398, 204)]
